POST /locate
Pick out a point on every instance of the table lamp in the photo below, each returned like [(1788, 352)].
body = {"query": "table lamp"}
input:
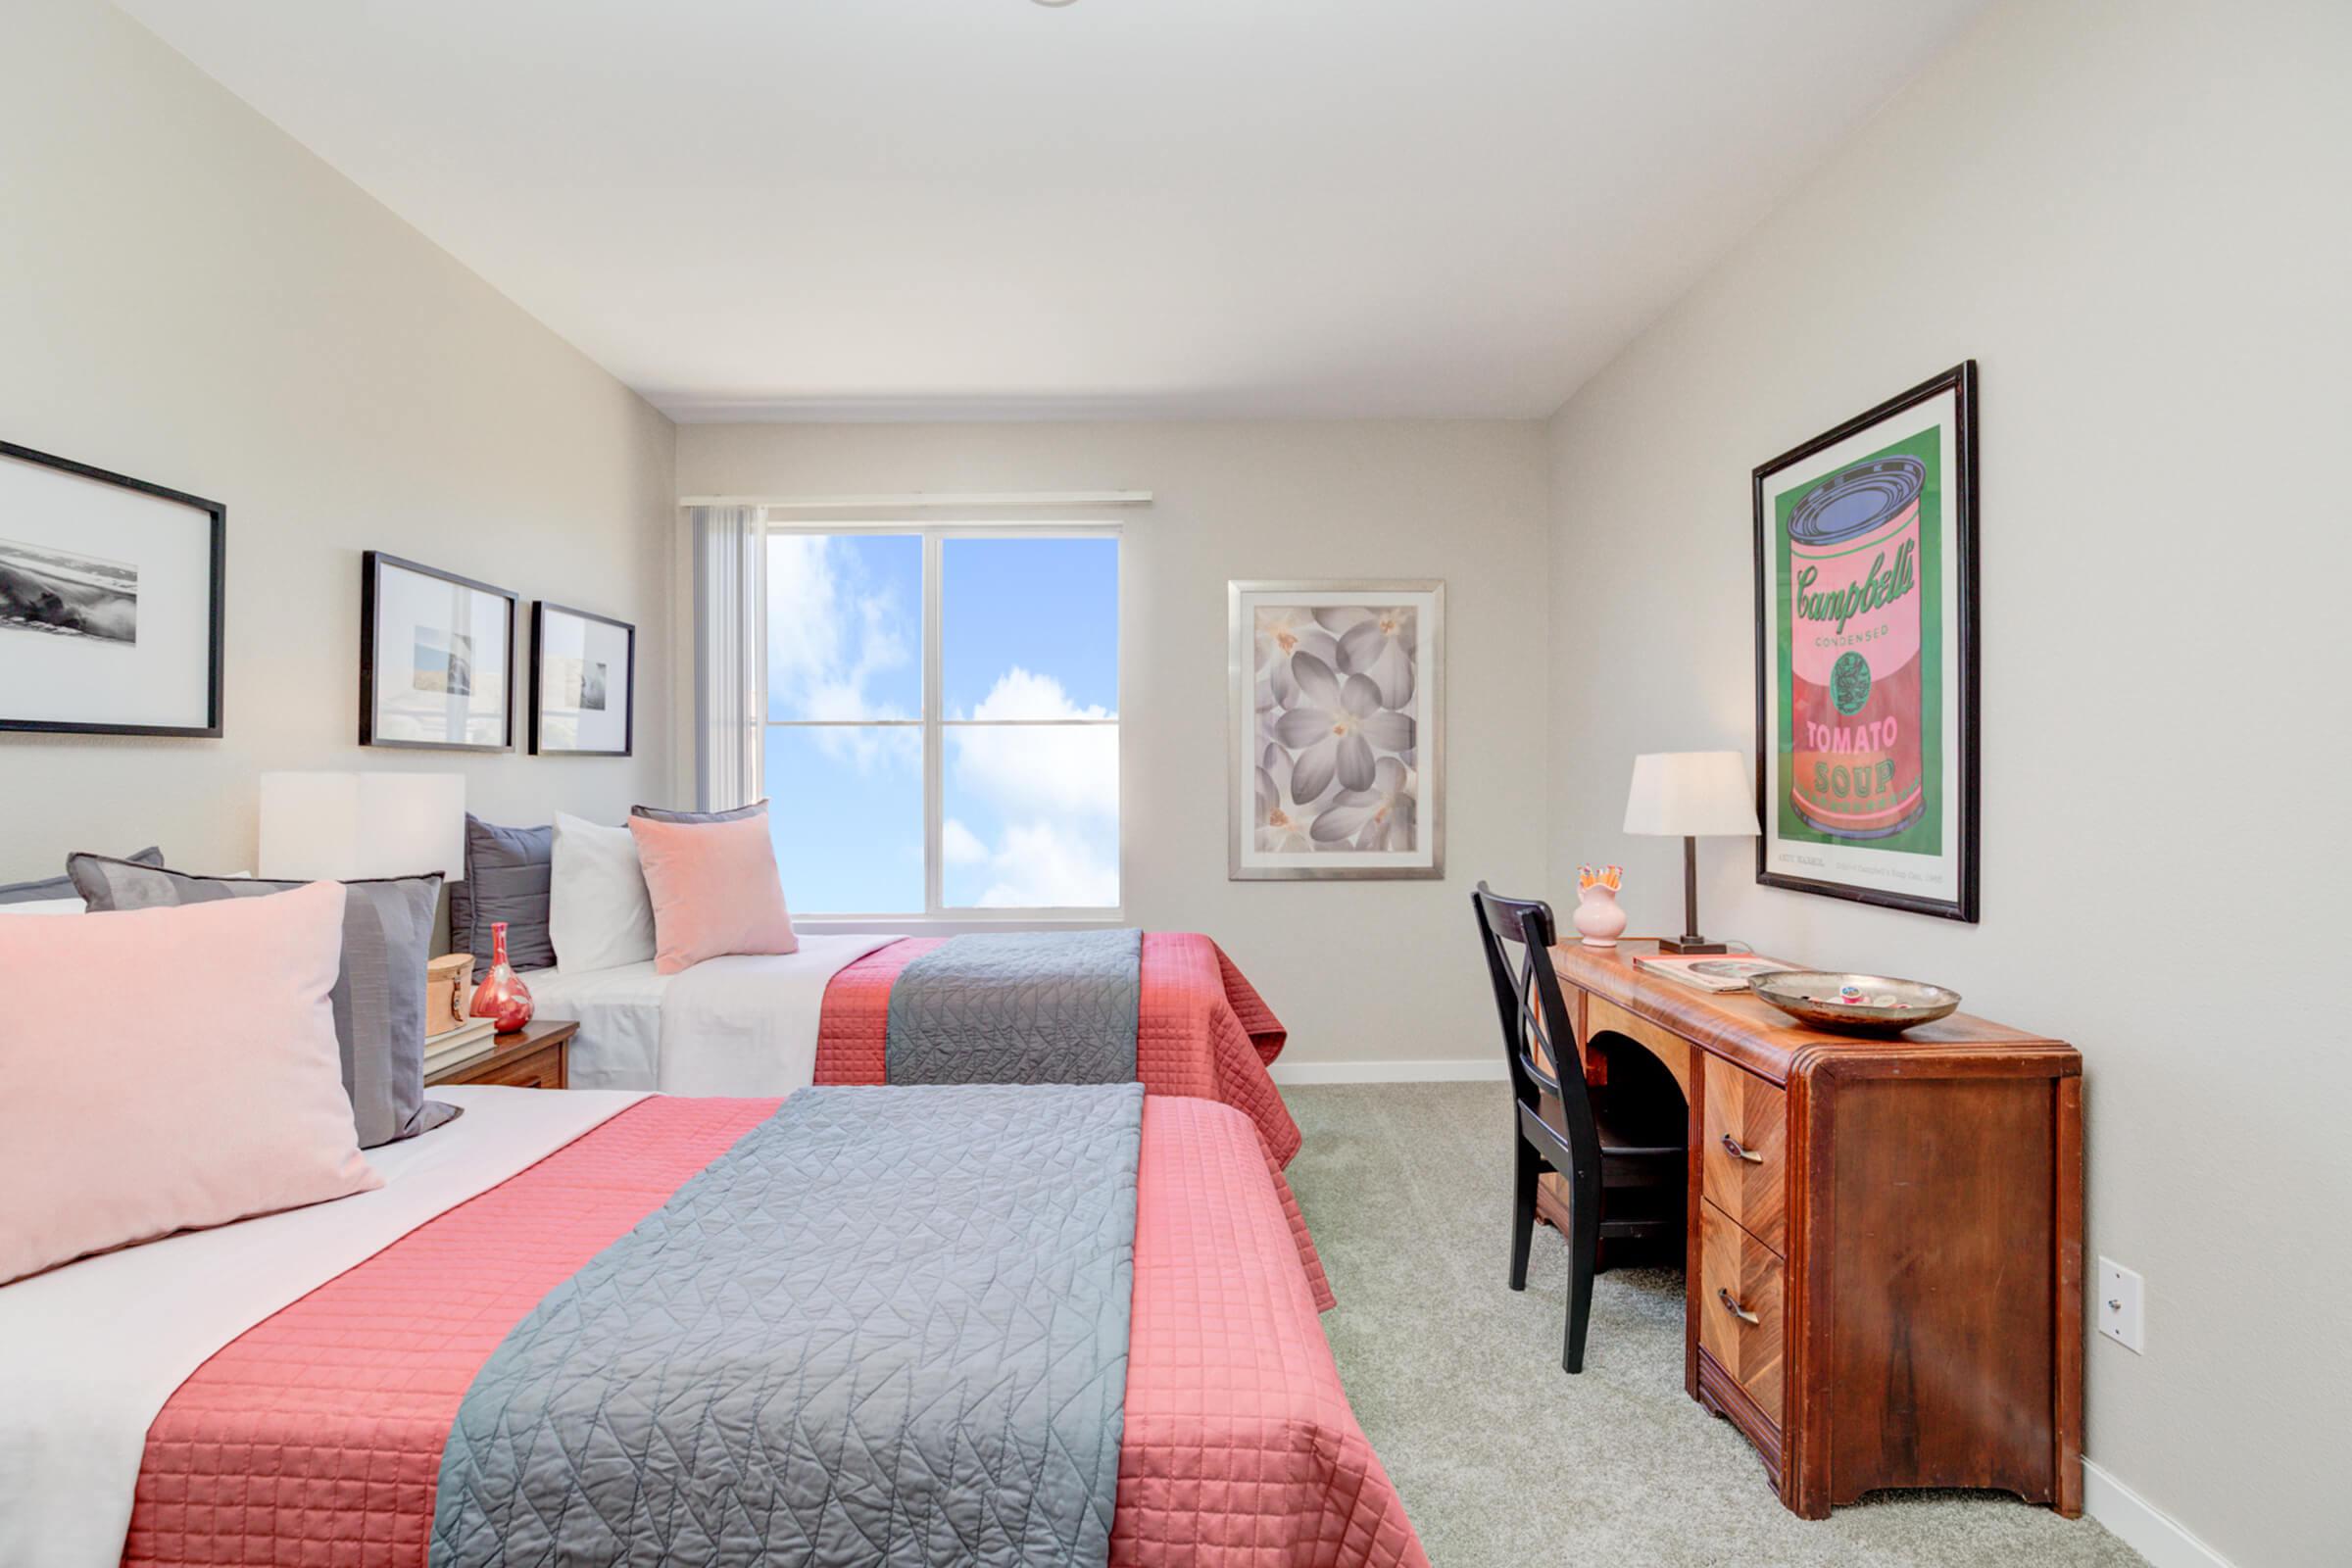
[(344, 827), (1689, 795)]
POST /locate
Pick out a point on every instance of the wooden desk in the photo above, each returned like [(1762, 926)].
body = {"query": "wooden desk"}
[(1885, 1257)]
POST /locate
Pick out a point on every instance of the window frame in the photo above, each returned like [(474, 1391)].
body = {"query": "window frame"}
[(936, 915)]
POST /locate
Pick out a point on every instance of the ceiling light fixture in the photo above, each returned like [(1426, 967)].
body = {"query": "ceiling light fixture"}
[(1055, 4)]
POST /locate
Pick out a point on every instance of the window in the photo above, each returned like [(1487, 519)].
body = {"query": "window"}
[(943, 719)]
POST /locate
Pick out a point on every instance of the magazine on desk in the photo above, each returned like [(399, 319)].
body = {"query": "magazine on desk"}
[(1720, 974)]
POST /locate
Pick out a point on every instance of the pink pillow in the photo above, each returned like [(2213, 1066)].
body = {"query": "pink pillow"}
[(168, 1069), (715, 890)]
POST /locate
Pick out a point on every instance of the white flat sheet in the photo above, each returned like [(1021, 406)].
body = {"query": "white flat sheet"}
[(619, 1044), (745, 1025), (91, 1352)]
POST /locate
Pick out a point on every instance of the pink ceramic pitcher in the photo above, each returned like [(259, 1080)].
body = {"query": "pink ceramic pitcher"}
[(1599, 917)]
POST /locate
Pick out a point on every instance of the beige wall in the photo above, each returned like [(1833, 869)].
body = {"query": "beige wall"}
[(1368, 971), (188, 297), (2132, 215)]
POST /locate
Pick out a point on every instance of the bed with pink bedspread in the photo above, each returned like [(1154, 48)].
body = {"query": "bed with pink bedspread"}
[(1202, 1029), (316, 1437)]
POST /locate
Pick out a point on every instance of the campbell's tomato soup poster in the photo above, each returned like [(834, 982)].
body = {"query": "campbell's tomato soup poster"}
[(1861, 617)]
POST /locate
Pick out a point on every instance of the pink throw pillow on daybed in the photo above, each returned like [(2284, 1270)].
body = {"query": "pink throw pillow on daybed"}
[(715, 890), (169, 1069)]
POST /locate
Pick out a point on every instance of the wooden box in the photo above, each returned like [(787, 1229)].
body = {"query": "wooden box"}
[(447, 988)]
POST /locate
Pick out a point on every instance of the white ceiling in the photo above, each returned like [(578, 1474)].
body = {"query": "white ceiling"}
[(826, 209)]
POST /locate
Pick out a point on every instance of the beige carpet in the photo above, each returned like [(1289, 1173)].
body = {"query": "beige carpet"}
[(1504, 1459)]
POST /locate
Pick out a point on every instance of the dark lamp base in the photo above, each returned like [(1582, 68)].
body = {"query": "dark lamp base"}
[(1691, 945)]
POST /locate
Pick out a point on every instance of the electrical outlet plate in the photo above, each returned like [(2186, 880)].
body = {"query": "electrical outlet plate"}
[(2119, 1306)]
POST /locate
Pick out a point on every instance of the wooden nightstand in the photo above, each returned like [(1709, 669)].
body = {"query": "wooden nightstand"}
[(532, 1057)]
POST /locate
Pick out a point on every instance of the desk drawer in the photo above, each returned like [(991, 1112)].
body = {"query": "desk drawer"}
[(1739, 1290), (1743, 1151)]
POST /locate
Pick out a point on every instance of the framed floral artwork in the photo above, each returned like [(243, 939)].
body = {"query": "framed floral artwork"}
[(1337, 730)]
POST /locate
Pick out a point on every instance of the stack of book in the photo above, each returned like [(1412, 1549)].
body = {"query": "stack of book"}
[(454, 1048)]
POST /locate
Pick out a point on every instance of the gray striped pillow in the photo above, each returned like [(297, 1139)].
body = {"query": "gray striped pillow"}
[(508, 870), (379, 993), (62, 887)]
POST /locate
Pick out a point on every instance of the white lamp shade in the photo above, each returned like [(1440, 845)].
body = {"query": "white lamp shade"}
[(1691, 795), (346, 826)]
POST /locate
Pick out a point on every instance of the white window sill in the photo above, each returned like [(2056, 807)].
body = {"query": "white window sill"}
[(959, 924)]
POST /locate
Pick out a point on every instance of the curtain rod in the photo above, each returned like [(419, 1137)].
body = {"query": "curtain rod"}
[(930, 498)]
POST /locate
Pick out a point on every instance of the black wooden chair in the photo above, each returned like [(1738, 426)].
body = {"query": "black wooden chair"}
[(1622, 1149)]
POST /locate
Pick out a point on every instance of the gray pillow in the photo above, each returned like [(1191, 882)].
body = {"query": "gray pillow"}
[(655, 814), (379, 994), (62, 887), (507, 871)]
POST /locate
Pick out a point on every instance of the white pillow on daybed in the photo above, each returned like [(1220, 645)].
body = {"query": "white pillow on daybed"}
[(599, 913)]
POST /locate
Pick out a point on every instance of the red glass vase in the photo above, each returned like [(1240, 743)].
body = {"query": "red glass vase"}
[(502, 995)]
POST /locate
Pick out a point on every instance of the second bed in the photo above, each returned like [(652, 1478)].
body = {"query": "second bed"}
[(769, 1025)]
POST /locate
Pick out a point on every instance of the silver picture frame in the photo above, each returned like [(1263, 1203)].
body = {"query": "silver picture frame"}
[(1372, 842)]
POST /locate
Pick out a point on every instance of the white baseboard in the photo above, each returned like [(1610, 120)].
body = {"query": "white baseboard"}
[(1389, 1072), (2142, 1526)]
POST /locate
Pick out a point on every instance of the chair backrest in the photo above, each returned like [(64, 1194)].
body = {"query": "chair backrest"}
[(1534, 1014)]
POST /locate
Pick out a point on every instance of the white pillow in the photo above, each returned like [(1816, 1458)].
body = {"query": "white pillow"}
[(46, 906), (599, 914)]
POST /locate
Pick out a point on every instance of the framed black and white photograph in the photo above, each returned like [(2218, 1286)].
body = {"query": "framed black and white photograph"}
[(436, 658), (1336, 765), (583, 683), (111, 601)]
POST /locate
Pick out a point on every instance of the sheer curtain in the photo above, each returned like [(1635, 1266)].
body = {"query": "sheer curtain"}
[(731, 674)]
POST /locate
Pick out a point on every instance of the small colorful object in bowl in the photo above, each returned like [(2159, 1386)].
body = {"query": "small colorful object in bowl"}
[(1854, 1003)]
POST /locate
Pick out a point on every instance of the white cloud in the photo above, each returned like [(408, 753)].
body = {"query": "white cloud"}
[(1042, 866), (960, 844), (830, 632), (1055, 788), (1038, 774)]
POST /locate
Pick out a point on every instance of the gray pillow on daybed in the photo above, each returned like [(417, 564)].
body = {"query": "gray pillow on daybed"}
[(655, 814), (379, 993), (507, 871), (62, 887)]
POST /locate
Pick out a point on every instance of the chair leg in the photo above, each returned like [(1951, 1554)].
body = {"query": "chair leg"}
[(1523, 1208), (1583, 1247)]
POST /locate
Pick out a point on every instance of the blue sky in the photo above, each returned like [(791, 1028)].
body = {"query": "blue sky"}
[(1030, 630)]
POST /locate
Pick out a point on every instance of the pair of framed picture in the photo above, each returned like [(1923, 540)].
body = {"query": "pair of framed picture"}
[(436, 652)]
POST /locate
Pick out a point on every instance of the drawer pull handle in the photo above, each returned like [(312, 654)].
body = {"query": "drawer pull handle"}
[(1735, 1308), (1731, 1146)]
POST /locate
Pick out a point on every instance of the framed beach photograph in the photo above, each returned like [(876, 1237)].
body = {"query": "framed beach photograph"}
[(1337, 730), (113, 602), (583, 683), (436, 658), (1866, 656)]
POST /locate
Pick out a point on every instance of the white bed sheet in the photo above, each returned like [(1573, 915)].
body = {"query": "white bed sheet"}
[(91, 1352), (745, 1025), (619, 1044)]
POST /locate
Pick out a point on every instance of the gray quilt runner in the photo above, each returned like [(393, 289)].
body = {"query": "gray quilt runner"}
[(1019, 1007), (888, 1327)]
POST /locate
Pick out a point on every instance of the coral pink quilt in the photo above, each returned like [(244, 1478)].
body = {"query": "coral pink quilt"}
[(1202, 1030), (314, 1439)]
